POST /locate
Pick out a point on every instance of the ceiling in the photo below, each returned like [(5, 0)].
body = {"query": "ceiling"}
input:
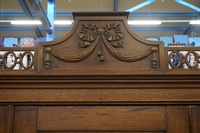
[(156, 10)]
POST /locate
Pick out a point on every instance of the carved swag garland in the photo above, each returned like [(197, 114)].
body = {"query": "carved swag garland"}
[(90, 34)]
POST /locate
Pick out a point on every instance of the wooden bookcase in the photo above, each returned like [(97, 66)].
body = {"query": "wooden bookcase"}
[(100, 77)]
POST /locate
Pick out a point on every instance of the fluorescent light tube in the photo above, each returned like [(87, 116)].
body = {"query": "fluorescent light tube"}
[(144, 22), (195, 22), (63, 22), (26, 22), (5, 21), (175, 21), (37, 22)]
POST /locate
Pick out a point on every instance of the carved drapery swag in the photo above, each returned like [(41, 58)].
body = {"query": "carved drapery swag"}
[(108, 35)]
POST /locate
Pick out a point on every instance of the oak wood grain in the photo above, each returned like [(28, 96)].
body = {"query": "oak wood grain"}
[(178, 119), (10, 113), (101, 118), (100, 95), (101, 132), (2, 119), (25, 119), (194, 112)]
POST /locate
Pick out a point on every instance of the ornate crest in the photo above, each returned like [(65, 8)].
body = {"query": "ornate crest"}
[(109, 35)]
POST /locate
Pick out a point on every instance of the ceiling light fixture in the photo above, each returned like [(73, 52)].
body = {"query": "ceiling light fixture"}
[(37, 22), (5, 21), (63, 22), (195, 22), (175, 21), (69, 22), (26, 22), (144, 22)]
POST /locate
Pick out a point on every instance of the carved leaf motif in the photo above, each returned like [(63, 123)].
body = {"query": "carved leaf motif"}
[(85, 25), (120, 44), (84, 38), (116, 25), (91, 38), (81, 35), (110, 38), (84, 44), (107, 34), (117, 37), (112, 25), (117, 44), (120, 35), (114, 44), (95, 32), (93, 35), (105, 28), (83, 30), (108, 26), (89, 26), (94, 26), (114, 37)]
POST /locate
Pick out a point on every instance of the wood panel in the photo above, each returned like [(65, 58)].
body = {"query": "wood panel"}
[(101, 118), (194, 119), (178, 119), (2, 118), (101, 95), (10, 113), (25, 119), (101, 132)]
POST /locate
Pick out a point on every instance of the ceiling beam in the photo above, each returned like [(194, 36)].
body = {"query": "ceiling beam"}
[(29, 15), (37, 7), (147, 2), (188, 5), (191, 27), (51, 12), (116, 4)]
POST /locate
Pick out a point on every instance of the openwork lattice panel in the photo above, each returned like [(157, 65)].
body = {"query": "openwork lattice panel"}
[(17, 59), (184, 58)]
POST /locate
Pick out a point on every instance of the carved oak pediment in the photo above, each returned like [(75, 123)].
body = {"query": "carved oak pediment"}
[(101, 42)]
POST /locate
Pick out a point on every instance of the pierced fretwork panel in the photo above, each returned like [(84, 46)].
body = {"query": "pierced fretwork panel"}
[(184, 58), (17, 59)]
